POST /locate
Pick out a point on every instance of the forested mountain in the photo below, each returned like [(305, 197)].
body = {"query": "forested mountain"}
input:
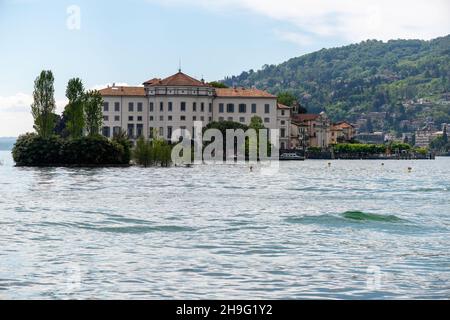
[(372, 76)]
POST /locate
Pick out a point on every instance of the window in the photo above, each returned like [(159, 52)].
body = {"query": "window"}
[(267, 108), (139, 130), (151, 107), (139, 118), (106, 132), (150, 132), (283, 122), (230, 108), (242, 108), (194, 106), (220, 107), (130, 118), (161, 106), (282, 112), (106, 106), (116, 130), (161, 118), (210, 107), (117, 106), (230, 119), (170, 106), (253, 107), (221, 118), (139, 107), (202, 107), (266, 120), (169, 133), (183, 106), (169, 118), (151, 118), (116, 118), (130, 130), (105, 118), (161, 132), (283, 132), (194, 118), (183, 118), (202, 118), (241, 119), (130, 107), (210, 119)]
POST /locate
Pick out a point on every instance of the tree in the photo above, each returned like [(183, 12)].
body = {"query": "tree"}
[(93, 102), (216, 84), (444, 135), (286, 98), (43, 106), (74, 110)]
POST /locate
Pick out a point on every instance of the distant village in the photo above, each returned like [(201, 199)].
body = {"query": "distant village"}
[(318, 131)]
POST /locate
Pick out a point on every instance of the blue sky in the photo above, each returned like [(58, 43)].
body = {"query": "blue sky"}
[(131, 41)]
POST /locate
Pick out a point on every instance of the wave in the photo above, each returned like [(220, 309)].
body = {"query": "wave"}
[(363, 216), (345, 218)]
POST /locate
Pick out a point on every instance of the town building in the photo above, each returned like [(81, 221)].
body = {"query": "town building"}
[(342, 132), (313, 130), (162, 105), (284, 124)]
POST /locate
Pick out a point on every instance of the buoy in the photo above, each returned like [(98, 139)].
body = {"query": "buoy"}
[(382, 163), (329, 164), (409, 169), (251, 168)]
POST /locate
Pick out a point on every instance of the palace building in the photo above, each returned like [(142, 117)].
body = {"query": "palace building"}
[(176, 102)]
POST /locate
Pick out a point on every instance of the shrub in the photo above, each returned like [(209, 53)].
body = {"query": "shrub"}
[(33, 150), (95, 150)]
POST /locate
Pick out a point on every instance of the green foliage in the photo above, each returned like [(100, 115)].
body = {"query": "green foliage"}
[(287, 98), (93, 102), (152, 153), (217, 84), (34, 150), (359, 148), (122, 139), (74, 110), (360, 78), (440, 144), (43, 106)]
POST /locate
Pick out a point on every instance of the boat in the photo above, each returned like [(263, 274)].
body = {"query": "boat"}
[(291, 156)]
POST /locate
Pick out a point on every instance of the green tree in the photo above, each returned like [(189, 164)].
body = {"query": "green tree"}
[(93, 112), (444, 135), (74, 110), (286, 98), (43, 106), (142, 152), (217, 84)]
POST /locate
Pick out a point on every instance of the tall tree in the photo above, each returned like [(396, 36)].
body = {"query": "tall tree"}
[(74, 110), (444, 134), (43, 106), (93, 102)]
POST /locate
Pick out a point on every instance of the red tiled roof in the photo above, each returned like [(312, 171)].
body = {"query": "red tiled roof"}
[(242, 93), (178, 79), (123, 91), (305, 117), (342, 125), (282, 106)]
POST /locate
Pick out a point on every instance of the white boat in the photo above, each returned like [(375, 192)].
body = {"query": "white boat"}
[(291, 156)]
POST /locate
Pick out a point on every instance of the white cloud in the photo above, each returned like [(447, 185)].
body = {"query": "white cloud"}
[(346, 19), (15, 114)]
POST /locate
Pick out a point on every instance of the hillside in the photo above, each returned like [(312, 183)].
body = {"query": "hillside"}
[(7, 143), (372, 76)]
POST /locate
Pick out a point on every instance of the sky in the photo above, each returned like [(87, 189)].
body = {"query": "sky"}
[(129, 42)]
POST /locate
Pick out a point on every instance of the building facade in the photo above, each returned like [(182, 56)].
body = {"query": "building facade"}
[(164, 105)]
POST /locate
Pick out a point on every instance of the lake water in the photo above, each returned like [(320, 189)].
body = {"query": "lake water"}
[(354, 230)]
